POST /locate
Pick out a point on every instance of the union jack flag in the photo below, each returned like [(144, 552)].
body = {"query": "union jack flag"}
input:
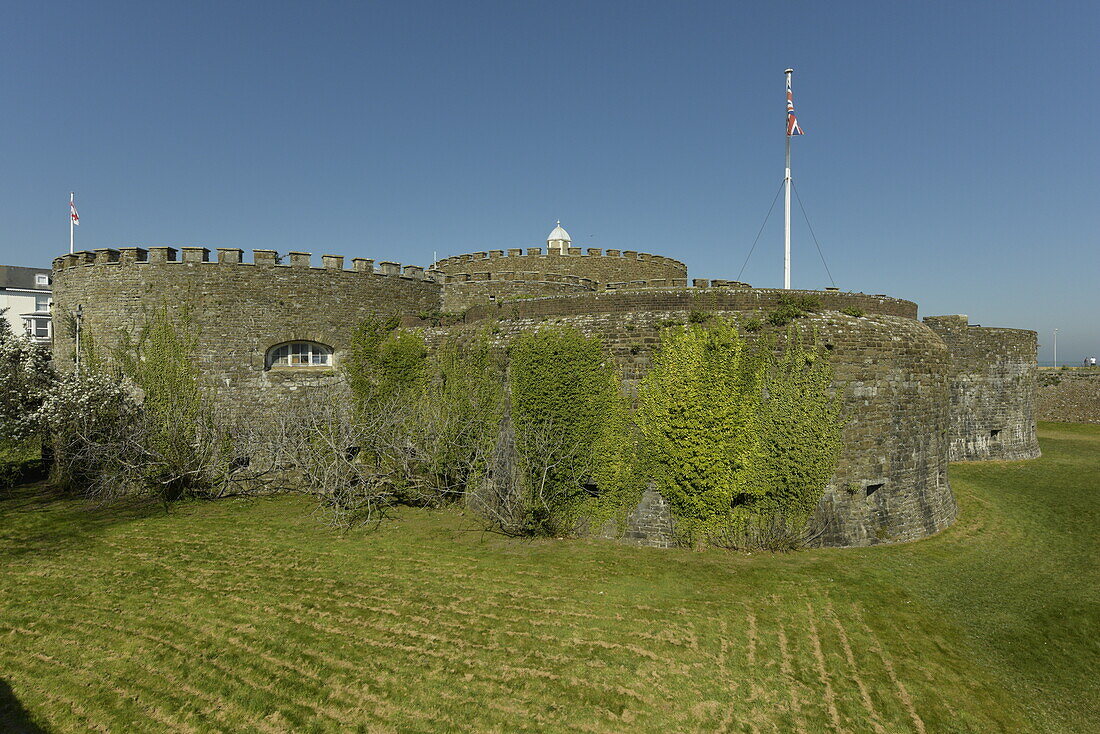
[(792, 121)]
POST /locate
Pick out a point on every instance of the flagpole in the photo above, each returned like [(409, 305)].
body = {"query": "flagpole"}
[(72, 202), (787, 208)]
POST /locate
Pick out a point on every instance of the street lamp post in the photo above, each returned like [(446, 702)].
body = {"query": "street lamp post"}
[(78, 317), (1055, 349)]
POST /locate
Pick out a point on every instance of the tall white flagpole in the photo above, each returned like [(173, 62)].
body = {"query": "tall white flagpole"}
[(72, 202), (787, 208)]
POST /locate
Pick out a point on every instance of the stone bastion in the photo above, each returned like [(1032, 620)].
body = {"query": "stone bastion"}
[(915, 394), (993, 390)]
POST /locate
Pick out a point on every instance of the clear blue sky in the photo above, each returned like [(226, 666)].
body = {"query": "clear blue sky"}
[(950, 154)]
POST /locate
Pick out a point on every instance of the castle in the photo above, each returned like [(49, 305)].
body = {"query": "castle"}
[(917, 394)]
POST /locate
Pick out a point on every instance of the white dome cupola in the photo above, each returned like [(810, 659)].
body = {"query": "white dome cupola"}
[(558, 239)]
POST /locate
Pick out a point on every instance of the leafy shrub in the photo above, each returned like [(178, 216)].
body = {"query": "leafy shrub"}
[(784, 315), (698, 411), (792, 307), (573, 448), (455, 424), (426, 423), (853, 311), (20, 461), (803, 302), (383, 363), (799, 439), (699, 317)]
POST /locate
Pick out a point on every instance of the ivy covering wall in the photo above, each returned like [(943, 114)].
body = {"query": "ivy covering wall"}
[(738, 437), (573, 433), (734, 434), (427, 418)]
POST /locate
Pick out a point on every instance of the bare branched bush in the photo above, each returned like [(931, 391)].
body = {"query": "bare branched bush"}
[(774, 532), (108, 445), (360, 459), (320, 446)]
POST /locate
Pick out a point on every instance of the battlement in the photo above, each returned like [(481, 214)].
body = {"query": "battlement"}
[(679, 283), (601, 266), (232, 256), (463, 261), (450, 279)]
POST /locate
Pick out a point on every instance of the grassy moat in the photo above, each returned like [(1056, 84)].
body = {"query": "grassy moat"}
[(251, 615)]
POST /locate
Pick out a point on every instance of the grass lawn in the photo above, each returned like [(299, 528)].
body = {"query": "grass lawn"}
[(250, 615)]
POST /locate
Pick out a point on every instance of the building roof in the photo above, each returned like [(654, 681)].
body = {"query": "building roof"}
[(15, 276), (558, 234)]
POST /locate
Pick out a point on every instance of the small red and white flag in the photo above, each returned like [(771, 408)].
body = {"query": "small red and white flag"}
[(792, 121), (72, 211)]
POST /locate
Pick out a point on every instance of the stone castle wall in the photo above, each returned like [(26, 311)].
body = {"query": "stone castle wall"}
[(914, 393), (708, 296), (236, 310), (891, 483), (464, 290), (1069, 396), (611, 266), (993, 390)]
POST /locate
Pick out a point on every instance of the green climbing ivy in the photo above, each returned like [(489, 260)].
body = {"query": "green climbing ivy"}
[(572, 431), (799, 440), (737, 435), (383, 363)]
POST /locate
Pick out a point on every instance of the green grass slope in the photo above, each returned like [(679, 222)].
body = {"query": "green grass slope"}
[(249, 615)]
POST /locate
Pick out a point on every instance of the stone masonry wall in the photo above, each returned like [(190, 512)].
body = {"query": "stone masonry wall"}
[(1070, 397), (993, 390), (891, 370), (724, 298), (462, 291), (237, 310), (891, 480), (612, 266)]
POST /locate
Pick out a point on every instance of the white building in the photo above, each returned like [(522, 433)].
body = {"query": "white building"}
[(26, 298)]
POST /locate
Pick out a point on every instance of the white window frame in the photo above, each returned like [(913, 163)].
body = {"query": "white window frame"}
[(299, 354), (32, 326), (49, 300), (41, 279)]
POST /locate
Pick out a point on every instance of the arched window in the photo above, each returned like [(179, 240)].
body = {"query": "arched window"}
[(299, 354)]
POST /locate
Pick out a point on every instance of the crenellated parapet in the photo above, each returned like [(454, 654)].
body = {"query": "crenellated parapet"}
[(235, 311), (234, 256), (604, 266)]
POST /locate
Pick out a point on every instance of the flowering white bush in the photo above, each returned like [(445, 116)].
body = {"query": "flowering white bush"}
[(25, 379)]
